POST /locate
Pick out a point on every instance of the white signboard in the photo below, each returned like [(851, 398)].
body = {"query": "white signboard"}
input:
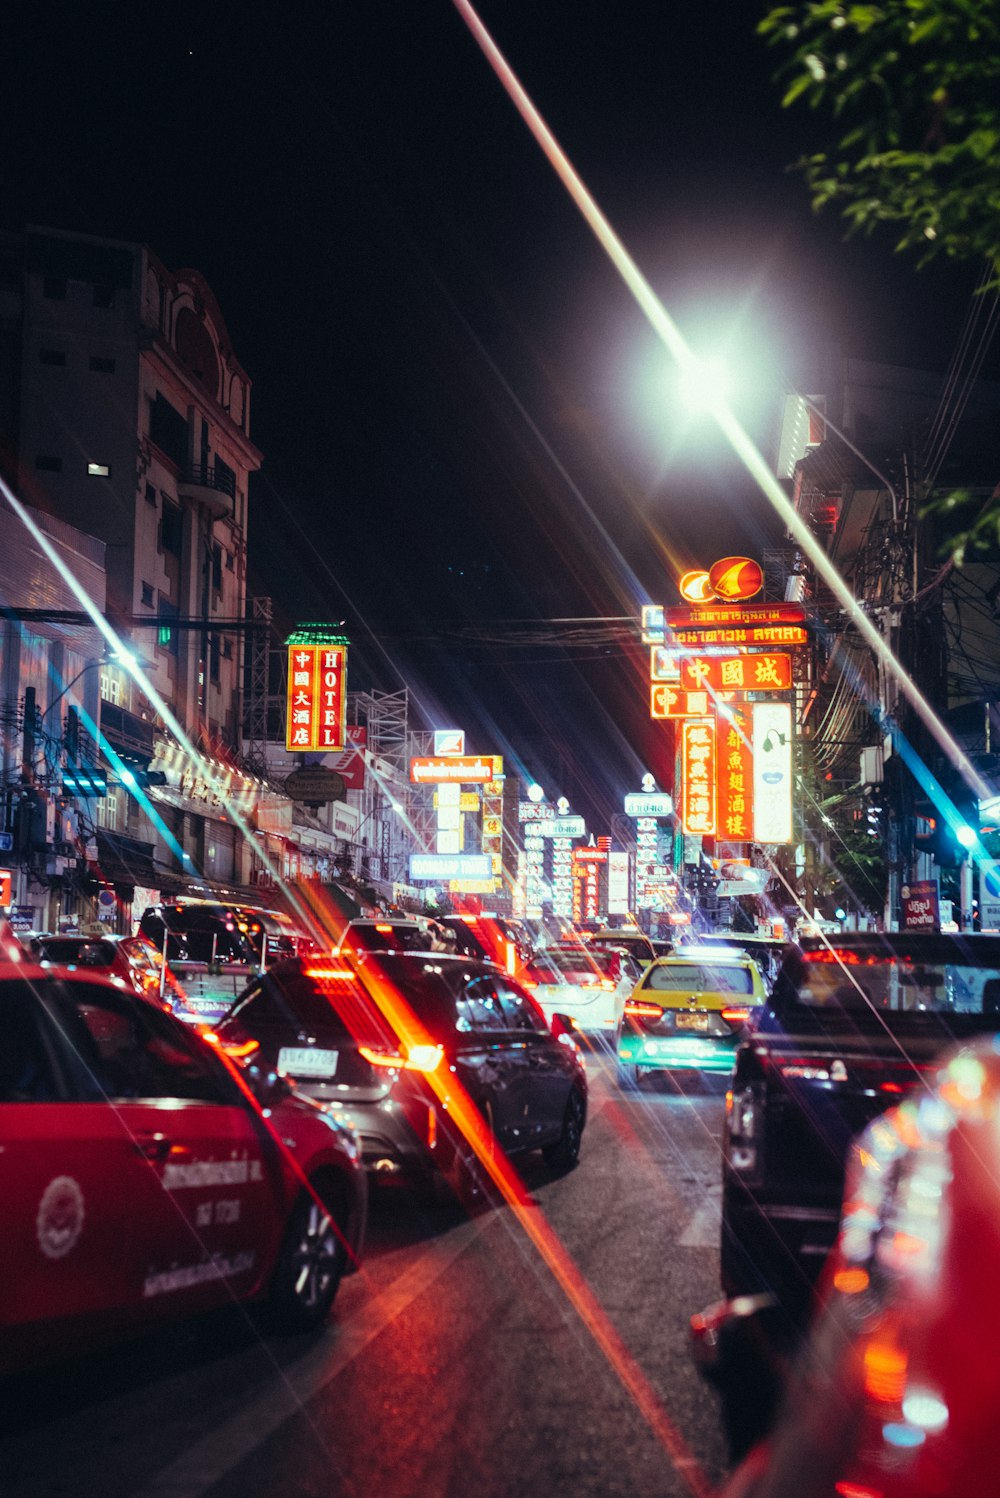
[(449, 741), (534, 811), (772, 772), (441, 867), (989, 895), (563, 827), (618, 891), (658, 804)]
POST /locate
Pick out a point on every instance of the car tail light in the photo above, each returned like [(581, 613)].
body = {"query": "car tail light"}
[(744, 1118), (599, 983), (329, 974), (425, 1058), (642, 1009), (383, 926), (236, 1050), (736, 1015)]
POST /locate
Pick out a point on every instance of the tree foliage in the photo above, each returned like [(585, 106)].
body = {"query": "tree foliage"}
[(914, 86)]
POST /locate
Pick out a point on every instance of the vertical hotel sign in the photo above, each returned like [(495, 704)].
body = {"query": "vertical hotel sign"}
[(698, 777), (317, 699), (772, 772)]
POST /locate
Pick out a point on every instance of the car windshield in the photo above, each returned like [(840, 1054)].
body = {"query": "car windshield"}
[(885, 980), (65, 949), (716, 977)]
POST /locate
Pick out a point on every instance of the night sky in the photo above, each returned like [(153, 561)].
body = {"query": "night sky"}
[(468, 428)]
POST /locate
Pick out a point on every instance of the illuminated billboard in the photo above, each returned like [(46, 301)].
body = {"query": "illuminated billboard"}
[(317, 699), (698, 777), (760, 634), (764, 672), (772, 772), (443, 867), (728, 613), (465, 769), (735, 778), (669, 702)]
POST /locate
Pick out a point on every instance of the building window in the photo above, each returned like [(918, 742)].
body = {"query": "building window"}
[(147, 595), (47, 464), (54, 288), (111, 688), (151, 494), (54, 356), (168, 428), (104, 296), (102, 366), (213, 659), (171, 529), (217, 568), (167, 633), (227, 649), (230, 561), (107, 811), (99, 470)]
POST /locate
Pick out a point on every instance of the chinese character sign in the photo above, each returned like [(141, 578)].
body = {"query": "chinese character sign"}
[(698, 777), (738, 673), (735, 780), (317, 699), (667, 702)]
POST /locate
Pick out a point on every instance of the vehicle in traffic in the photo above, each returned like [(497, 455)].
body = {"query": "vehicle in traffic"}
[(391, 934), (199, 931), (897, 1390), (131, 961), (589, 985), (141, 1180), (848, 1031), (687, 1014), (322, 1022), (628, 937), (767, 951), (491, 938)]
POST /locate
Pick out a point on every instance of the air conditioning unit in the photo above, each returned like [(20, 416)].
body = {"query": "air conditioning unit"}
[(872, 765)]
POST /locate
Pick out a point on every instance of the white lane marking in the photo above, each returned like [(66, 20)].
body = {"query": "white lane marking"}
[(703, 1229), (210, 1459)]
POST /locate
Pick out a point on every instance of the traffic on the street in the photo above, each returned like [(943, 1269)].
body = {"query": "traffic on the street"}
[(500, 751)]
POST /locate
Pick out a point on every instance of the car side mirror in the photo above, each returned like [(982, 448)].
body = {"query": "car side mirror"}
[(268, 1087)]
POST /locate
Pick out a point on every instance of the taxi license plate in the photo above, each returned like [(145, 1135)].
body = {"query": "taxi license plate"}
[(691, 1021), (306, 1061)]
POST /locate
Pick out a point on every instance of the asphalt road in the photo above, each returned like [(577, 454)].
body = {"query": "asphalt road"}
[(492, 1355)]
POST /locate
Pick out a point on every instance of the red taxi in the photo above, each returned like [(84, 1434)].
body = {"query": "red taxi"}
[(141, 1182), (129, 961)]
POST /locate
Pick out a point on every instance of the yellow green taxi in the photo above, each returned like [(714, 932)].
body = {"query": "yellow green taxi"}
[(688, 1013)]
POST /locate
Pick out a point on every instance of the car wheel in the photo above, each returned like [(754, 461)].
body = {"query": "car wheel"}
[(565, 1153), (467, 1181), (311, 1263), (627, 1076)]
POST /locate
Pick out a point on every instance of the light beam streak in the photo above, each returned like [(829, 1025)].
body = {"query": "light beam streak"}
[(688, 363)]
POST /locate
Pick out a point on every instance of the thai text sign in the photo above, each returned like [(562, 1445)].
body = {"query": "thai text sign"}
[(698, 775), (735, 781), (920, 906), (738, 614), (760, 634), (737, 673), (316, 697), (460, 769), (772, 772)]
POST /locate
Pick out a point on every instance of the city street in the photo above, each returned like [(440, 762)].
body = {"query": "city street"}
[(454, 1362)]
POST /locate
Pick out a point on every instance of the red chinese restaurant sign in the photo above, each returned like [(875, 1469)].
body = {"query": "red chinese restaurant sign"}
[(669, 702), (738, 673), (698, 776), (735, 782), (761, 634), (317, 699)]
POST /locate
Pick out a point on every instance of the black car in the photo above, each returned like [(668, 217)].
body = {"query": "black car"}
[(199, 931), (384, 1039), (848, 1030)]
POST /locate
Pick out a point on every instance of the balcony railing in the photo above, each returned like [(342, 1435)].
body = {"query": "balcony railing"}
[(129, 735), (210, 486)]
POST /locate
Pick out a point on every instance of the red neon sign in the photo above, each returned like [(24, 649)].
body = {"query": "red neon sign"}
[(698, 777), (317, 701), (735, 782), (738, 673)]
